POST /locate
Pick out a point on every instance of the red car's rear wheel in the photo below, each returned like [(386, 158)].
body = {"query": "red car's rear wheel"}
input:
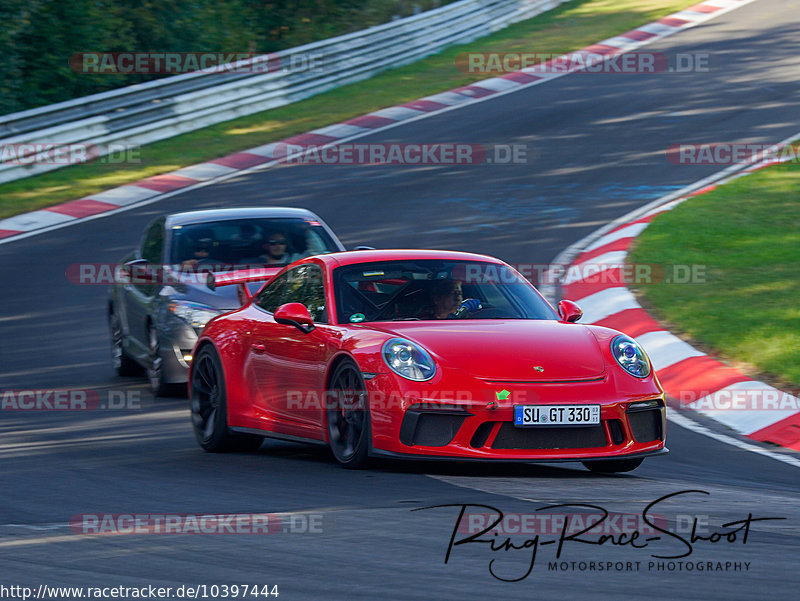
[(210, 409)]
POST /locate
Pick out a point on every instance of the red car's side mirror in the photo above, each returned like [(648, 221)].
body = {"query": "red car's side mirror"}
[(569, 311), (295, 314)]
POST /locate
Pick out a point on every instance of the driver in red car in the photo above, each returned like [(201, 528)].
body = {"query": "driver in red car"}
[(449, 303)]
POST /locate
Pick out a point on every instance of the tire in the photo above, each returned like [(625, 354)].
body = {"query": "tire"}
[(347, 417), (155, 368), (210, 409), (123, 365), (613, 466)]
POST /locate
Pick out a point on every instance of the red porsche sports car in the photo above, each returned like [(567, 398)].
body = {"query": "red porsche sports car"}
[(422, 354)]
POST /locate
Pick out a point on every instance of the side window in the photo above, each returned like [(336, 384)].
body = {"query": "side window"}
[(312, 293), (153, 242), (302, 284), (272, 296)]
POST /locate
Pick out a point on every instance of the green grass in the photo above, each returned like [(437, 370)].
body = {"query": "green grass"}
[(566, 28), (746, 234)]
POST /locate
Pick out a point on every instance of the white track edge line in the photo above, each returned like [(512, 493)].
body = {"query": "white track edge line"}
[(690, 424)]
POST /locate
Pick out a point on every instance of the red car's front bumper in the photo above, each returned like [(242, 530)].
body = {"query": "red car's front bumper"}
[(468, 421)]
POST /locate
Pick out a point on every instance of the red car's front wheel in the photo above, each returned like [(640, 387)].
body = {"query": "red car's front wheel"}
[(347, 416)]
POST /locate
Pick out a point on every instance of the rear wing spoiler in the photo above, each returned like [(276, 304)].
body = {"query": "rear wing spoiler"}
[(241, 278)]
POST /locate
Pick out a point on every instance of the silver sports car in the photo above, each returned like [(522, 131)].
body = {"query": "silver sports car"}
[(163, 302)]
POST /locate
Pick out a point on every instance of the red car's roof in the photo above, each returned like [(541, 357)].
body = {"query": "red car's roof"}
[(369, 256)]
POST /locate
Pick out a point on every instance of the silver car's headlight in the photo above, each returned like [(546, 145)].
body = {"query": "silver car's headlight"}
[(195, 314), (408, 359), (630, 356)]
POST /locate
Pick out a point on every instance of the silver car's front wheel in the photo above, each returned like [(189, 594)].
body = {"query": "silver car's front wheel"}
[(122, 364), (155, 364)]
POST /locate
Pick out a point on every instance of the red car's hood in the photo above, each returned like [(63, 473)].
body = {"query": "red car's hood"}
[(510, 350)]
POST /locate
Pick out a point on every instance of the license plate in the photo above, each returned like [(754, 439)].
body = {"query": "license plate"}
[(556, 415)]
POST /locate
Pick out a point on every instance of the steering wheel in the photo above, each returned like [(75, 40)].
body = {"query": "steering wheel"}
[(491, 312)]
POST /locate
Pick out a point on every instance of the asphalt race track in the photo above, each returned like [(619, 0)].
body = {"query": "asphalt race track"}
[(596, 151)]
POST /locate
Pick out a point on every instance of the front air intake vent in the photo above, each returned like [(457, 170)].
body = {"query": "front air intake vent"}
[(587, 437)]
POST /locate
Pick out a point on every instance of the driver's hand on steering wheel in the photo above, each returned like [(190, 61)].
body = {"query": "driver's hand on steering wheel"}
[(467, 306)]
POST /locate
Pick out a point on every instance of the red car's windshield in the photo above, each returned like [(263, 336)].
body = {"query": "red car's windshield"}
[(433, 289)]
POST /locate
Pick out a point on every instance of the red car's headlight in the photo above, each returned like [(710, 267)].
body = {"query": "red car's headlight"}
[(630, 356), (408, 360)]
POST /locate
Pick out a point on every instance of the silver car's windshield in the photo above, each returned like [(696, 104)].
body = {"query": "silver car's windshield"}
[(248, 242)]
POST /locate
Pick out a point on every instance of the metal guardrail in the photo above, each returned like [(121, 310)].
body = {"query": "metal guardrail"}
[(163, 108)]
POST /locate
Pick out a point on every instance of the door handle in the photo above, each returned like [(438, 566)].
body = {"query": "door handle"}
[(259, 348)]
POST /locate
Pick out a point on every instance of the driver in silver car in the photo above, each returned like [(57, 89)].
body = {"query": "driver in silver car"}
[(276, 250)]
